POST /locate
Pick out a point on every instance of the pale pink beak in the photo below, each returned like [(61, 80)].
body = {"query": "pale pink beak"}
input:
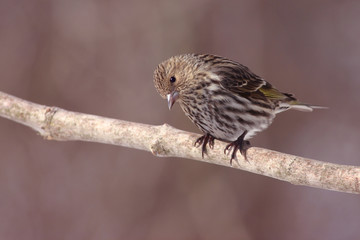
[(171, 98)]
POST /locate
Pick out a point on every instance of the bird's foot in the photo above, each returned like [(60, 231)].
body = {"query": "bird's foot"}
[(239, 144), (203, 141)]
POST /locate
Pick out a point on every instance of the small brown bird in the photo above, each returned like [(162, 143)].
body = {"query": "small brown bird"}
[(223, 98)]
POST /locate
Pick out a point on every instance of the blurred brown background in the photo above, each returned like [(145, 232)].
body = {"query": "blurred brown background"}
[(98, 57)]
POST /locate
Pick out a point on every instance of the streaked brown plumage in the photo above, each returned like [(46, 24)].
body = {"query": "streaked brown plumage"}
[(222, 97)]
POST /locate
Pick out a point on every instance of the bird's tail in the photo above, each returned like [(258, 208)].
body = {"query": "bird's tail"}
[(286, 101), (303, 106)]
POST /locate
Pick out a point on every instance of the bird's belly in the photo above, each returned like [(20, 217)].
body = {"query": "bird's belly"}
[(232, 133), (228, 125)]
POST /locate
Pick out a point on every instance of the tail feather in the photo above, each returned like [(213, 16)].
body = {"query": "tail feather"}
[(286, 101), (304, 107)]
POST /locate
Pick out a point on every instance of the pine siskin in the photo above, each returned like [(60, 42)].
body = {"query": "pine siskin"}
[(223, 98)]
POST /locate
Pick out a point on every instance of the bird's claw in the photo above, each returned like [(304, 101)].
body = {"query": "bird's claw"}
[(204, 140), (239, 144)]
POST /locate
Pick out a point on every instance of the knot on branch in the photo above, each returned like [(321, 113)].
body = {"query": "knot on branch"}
[(49, 115), (158, 145), (158, 149)]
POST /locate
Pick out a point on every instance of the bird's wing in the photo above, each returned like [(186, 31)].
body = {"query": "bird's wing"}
[(239, 79), (275, 95)]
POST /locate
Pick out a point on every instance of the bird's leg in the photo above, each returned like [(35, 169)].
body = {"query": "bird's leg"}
[(239, 144), (204, 140)]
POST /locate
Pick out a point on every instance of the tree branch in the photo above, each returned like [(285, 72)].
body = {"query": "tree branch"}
[(165, 141)]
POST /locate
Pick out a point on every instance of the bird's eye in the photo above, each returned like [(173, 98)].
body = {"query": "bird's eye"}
[(172, 79)]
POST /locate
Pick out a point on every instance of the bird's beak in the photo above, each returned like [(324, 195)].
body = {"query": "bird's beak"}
[(171, 98)]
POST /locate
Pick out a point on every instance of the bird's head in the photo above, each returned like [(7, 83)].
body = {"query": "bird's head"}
[(173, 76)]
